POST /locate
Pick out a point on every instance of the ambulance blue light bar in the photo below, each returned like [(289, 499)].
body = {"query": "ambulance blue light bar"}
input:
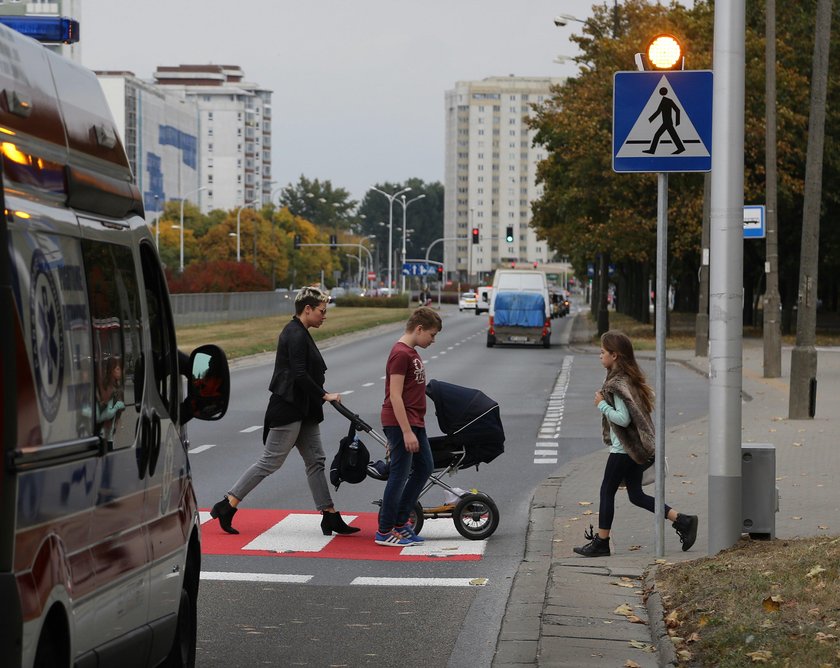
[(45, 29)]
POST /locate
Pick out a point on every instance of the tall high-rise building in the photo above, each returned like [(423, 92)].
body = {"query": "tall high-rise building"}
[(66, 8), (234, 132), (160, 134), (490, 175)]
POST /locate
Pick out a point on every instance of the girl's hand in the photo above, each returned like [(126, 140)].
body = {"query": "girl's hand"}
[(599, 397)]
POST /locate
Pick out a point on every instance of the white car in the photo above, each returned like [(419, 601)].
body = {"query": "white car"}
[(467, 301)]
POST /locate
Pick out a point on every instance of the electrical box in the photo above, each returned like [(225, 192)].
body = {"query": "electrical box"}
[(759, 495)]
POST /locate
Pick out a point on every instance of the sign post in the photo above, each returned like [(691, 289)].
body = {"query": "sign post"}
[(662, 122)]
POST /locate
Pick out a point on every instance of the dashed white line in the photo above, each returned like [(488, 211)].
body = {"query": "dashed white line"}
[(346, 392), (553, 418), (200, 448), (420, 582), (256, 577), (248, 430), (368, 384)]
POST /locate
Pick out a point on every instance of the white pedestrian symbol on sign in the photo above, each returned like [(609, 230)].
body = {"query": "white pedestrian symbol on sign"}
[(663, 128)]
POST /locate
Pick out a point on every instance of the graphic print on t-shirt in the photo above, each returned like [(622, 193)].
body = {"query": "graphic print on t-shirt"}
[(419, 371)]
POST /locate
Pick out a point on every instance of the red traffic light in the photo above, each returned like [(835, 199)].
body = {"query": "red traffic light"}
[(475, 235)]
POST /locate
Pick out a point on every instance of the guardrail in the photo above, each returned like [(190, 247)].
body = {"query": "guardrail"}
[(207, 307)]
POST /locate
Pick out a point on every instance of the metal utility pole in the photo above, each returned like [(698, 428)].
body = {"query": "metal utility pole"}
[(701, 323), (803, 360), (772, 313), (726, 276)]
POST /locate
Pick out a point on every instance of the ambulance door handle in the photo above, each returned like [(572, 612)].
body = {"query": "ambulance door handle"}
[(154, 442), (144, 446)]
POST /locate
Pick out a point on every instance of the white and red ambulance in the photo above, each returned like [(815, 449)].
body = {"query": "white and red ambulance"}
[(99, 530)]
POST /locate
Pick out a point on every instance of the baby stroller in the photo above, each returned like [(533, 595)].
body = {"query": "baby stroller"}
[(473, 435)]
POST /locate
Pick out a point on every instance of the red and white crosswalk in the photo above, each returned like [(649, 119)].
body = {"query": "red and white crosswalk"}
[(295, 533)]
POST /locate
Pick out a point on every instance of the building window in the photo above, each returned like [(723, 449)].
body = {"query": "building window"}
[(209, 148), (209, 115)]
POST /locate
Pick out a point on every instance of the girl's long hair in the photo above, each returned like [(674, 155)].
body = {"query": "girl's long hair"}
[(617, 342)]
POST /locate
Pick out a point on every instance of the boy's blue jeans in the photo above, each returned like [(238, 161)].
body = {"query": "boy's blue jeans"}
[(409, 473)]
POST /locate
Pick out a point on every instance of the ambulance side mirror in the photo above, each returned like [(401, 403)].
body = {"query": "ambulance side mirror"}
[(208, 387)]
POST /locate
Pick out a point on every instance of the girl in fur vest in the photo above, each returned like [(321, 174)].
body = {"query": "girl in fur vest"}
[(626, 402)]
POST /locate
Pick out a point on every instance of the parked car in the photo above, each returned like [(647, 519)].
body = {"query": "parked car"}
[(467, 300)]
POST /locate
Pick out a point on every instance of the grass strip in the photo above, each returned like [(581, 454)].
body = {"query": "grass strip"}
[(258, 335), (773, 602)]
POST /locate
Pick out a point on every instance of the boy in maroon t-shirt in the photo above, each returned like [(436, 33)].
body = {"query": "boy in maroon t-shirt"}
[(402, 421)]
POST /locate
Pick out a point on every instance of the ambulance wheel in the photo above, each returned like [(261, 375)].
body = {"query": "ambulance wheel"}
[(415, 517), (53, 643), (182, 652), (476, 516)]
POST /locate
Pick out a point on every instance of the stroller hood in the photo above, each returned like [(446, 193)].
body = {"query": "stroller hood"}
[(466, 412)]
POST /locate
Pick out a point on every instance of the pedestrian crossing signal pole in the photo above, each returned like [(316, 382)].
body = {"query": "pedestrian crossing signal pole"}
[(663, 53)]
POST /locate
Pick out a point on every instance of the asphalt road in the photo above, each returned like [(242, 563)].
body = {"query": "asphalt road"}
[(444, 609)]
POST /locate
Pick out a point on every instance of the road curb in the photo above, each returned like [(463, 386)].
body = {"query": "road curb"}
[(665, 651)]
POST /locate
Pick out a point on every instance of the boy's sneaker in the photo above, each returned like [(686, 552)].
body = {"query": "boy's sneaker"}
[(392, 539), (407, 531)]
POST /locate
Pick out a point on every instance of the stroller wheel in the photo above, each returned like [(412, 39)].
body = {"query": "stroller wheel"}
[(476, 516), (415, 517)]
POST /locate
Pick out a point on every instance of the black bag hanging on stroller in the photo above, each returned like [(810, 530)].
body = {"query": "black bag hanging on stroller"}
[(351, 460)]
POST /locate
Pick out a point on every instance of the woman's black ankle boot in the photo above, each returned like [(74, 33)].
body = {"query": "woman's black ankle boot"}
[(224, 512), (333, 522)]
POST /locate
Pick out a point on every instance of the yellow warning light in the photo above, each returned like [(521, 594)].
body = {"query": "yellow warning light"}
[(665, 53), (23, 214), (12, 153)]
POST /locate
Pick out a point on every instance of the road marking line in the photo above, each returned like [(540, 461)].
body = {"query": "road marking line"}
[(347, 392), (545, 461), (248, 430), (420, 582), (201, 448), (297, 532), (256, 577), (553, 418), (368, 384), (538, 453)]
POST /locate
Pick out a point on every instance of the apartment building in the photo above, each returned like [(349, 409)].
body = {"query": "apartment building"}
[(160, 135), (490, 175), (234, 132)]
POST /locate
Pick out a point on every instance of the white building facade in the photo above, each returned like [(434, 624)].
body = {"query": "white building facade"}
[(160, 135), (490, 175), (234, 133)]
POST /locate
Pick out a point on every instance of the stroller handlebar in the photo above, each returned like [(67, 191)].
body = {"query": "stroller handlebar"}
[(358, 423)]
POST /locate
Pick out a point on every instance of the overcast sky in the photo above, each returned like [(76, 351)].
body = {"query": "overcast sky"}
[(358, 85)]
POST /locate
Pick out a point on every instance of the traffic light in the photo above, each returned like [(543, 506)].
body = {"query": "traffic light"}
[(475, 235), (509, 235), (665, 53), (297, 242), (333, 240), (535, 264)]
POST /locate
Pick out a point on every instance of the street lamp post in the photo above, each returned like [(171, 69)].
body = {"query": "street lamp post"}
[(391, 199), (183, 199), (238, 223), (405, 207)]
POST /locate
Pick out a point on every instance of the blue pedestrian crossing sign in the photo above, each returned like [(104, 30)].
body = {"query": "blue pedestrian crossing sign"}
[(662, 121)]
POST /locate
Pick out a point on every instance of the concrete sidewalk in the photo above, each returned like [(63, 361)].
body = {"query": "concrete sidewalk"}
[(562, 607)]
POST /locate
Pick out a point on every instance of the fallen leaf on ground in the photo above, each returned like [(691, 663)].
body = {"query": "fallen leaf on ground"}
[(694, 637), (633, 548), (631, 664), (623, 609), (825, 637), (629, 585), (672, 619), (584, 503), (638, 644), (816, 570), (635, 620), (760, 656), (478, 582), (684, 654), (587, 512), (822, 526), (772, 603)]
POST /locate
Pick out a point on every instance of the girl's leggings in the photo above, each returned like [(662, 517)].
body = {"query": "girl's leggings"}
[(620, 467)]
